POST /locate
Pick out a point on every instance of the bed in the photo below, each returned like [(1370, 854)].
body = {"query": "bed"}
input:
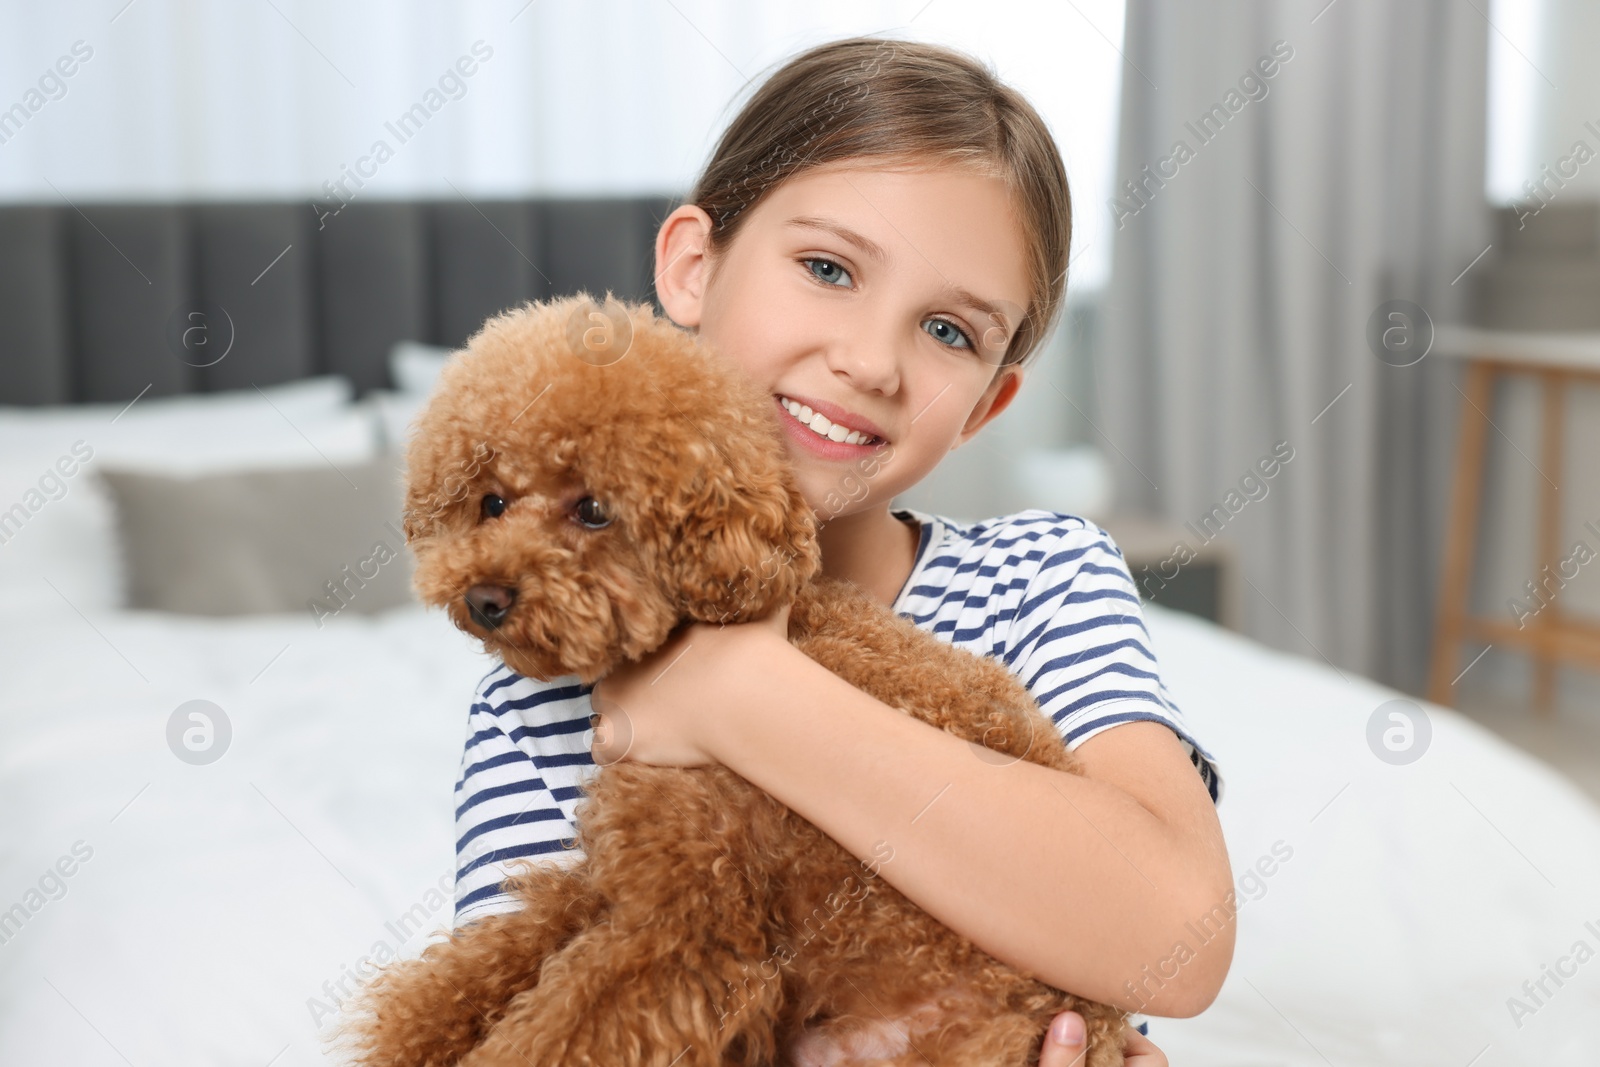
[(218, 822), (222, 907)]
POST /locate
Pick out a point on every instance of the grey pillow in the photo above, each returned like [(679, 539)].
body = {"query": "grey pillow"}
[(321, 540)]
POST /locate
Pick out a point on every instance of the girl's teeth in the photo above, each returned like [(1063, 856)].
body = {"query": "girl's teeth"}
[(819, 424)]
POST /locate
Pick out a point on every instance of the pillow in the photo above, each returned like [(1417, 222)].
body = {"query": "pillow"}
[(51, 428), (414, 366), (305, 539), (58, 548), (394, 413), (57, 540)]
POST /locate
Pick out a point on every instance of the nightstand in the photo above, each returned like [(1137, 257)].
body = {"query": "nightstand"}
[(1202, 580)]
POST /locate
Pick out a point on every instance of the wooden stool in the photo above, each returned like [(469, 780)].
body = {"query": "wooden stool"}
[(1552, 636)]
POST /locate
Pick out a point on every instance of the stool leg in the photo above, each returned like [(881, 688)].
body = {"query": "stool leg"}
[(1455, 578), (1544, 656)]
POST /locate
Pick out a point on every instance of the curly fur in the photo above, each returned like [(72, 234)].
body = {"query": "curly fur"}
[(706, 924)]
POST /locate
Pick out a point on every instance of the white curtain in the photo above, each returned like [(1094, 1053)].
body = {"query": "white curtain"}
[(197, 98), (1242, 287), (214, 98)]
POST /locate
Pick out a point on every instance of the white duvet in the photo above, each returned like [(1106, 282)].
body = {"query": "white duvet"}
[(212, 911)]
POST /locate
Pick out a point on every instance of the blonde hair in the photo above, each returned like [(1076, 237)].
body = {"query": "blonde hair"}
[(898, 101)]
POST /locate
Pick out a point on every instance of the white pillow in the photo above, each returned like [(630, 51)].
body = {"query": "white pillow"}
[(415, 366), (68, 543), (199, 431), (56, 523), (395, 412), (303, 399)]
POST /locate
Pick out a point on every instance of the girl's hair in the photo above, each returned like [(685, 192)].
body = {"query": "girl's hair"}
[(900, 102)]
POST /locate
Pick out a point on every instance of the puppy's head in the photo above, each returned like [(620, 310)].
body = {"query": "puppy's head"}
[(587, 475)]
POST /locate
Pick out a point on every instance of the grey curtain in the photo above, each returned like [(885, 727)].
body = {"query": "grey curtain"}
[(1284, 170)]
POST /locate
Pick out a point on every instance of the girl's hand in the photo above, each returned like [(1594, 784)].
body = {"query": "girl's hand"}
[(880, 1041), (660, 709), (1137, 1049)]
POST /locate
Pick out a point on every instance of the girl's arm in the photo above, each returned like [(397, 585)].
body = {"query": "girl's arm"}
[(1115, 886)]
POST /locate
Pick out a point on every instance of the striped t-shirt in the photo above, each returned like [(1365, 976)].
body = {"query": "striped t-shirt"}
[(1046, 594)]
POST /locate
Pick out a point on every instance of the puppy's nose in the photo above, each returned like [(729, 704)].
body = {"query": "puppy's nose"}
[(489, 604)]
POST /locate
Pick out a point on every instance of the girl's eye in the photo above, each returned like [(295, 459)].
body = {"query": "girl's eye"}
[(827, 271), (826, 265), (592, 513), (492, 507), (951, 332)]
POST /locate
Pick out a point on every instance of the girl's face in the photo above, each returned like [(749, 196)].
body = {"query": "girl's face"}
[(882, 297)]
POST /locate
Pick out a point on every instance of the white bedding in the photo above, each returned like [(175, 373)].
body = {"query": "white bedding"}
[(220, 898)]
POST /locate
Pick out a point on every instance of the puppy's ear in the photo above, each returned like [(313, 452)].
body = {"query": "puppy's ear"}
[(439, 478), (411, 525), (746, 545), (428, 499), (422, 504)]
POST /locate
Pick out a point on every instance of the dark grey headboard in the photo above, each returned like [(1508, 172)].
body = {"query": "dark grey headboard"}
[(88, 293)]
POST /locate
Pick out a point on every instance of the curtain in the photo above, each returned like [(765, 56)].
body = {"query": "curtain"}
[(209, 98), (181, 98), (1284, 170)]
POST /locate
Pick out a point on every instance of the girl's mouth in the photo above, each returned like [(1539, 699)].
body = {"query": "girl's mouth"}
[(823, 443)]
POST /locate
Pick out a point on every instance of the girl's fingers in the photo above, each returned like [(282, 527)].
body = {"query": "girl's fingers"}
[(1137, 1049), (1064, 1053), (1140, 1051)]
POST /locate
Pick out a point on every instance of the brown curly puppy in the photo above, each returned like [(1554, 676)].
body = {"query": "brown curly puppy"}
[(583, 479)]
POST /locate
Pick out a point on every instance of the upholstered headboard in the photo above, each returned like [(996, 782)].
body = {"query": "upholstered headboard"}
[(95, 299)]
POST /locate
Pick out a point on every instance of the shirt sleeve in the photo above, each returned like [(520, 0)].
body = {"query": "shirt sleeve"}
[(1080, 645), (505, 811)]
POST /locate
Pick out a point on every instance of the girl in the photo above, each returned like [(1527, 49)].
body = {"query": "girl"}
[(880, 239)]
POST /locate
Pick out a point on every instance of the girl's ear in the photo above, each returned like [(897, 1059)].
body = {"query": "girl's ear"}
[(681, 264), (994, 400)]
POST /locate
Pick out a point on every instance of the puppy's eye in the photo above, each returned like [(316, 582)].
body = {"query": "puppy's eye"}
[(592, 513), (493, 506)]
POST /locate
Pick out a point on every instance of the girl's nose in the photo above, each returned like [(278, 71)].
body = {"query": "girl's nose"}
[(869, 360)]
